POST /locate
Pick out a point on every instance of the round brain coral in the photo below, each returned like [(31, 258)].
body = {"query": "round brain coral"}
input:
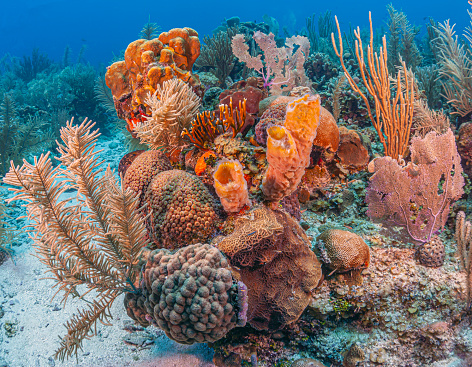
[(190, 294), (142, 170), (342, 251), (182, 210), (431, 253)]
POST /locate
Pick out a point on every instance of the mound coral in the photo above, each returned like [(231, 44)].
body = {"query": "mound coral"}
[(289, 148), (143, 169), (432, 253), (273, 254), (181, 209), (352, 153), (231, 186), (190, 294), (147, 64), (127, 160), (342, 251)]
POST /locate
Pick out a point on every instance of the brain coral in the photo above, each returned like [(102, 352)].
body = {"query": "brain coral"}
[(182, 210), (190, 294), (342, 251), (142, 170), (273, 254), (431, 253)]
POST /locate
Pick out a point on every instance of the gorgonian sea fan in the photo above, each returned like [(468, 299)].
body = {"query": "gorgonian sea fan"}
[(417, 195)]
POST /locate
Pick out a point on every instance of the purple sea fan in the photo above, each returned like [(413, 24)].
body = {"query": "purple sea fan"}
[(417, 195)]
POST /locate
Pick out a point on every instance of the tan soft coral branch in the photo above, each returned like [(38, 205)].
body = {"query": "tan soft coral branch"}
[(394, 114), (94, 240)]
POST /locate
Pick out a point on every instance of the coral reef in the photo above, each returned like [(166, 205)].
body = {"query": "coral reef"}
[(250, 217)]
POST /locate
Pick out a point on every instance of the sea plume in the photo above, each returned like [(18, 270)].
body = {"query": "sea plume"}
[(93, 240)]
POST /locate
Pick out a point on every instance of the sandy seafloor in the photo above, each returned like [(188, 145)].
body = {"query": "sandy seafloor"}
[(26, 299)]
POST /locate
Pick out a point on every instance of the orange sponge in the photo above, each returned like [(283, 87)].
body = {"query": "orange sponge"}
[(149, 63), (231, 186), (289, 147)]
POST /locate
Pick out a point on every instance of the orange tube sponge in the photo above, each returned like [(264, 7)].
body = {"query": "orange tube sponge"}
[(289, 147), (231, 186)]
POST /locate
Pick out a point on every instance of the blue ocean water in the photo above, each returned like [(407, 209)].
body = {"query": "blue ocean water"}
[(107, 27)]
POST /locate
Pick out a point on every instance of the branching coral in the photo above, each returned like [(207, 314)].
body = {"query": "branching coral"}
[(18, 138), (456, 68), (173, 106), (426, 120), (463, 238), (97, 247), (282, 69), (207, 125), (401, 42), (217, 56), (394, 114)]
